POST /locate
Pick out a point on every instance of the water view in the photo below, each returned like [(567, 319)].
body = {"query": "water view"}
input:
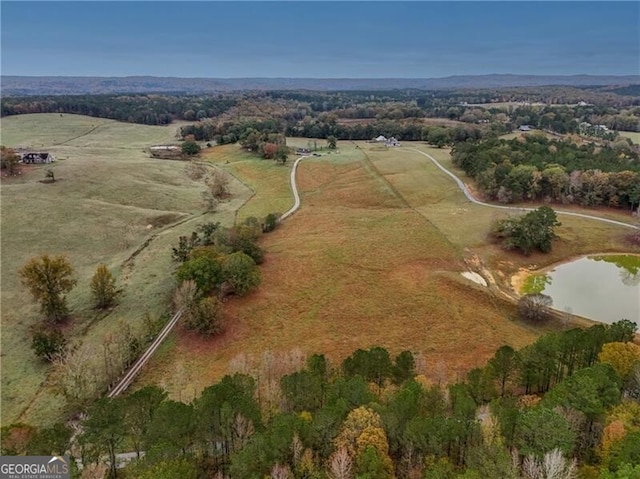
[(602, 288)]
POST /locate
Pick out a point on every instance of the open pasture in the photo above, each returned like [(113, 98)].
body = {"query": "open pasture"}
[(633, 135), (354, 267), (109, 201)]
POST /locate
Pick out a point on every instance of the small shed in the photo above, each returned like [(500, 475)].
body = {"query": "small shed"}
[(36, 158)]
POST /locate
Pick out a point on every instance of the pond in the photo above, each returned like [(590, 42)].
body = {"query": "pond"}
[(603, 288)]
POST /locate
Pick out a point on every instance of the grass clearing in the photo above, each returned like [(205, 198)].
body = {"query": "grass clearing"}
[(109, 199), (354, 267), (268, 180), (633, 135)]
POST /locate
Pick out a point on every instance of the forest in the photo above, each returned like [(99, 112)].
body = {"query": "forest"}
[(569, 401), (320, 114), (534, 168)]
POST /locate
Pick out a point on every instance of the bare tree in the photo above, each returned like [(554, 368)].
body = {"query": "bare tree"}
[(297, 448), (242, 431), (552, 466), (185, 298), (534, 307), (79, 375), (218, 184), (195, 170), (281, 472), (340, 464)]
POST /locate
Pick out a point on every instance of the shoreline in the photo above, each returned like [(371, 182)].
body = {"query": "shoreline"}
[(518, 278)]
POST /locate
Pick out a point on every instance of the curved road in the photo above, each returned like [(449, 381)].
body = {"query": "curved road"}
[(471, 198), (128, 378), (124, 383), (294, 188)]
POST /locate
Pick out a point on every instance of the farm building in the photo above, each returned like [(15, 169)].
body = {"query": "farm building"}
[(392, 142), (165, 151), (36, 158), (525, 128), (303, 151)]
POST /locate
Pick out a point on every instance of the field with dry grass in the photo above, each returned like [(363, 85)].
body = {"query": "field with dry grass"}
[(110, 201), (354, 267), (373, 257)]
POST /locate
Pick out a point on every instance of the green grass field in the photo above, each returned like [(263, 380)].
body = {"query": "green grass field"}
[(634, 135), (109, 199)]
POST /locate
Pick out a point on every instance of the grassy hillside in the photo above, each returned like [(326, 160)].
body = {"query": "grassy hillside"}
[(109, 199)]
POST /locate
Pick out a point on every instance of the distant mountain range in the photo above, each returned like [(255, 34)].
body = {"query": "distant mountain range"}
[(26, 85)]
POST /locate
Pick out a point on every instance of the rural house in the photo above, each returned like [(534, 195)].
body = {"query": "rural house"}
[(36, 158)]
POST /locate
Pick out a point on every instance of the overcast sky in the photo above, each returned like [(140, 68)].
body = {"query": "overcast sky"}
[(319, 39)]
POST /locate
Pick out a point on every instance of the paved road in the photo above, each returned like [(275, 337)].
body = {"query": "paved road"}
[(471, 198)]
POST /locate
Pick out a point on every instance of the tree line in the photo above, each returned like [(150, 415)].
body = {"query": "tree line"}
[(568, 402), (294, 109), (143, 109), (534, 168)]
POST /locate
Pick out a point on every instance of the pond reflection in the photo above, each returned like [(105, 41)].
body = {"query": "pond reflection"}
[(603, 288)]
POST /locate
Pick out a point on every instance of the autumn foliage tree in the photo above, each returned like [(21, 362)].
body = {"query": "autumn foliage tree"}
[(622, 357), (364, 439), (48, 278), (103, 288), (9, 161)]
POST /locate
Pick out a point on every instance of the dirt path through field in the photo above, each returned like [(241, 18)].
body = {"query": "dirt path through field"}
[(471, 198)]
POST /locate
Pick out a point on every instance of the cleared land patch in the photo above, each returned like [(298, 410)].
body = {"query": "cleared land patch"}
[(354, 267), (268, 180), (110, 199), (634, 135)]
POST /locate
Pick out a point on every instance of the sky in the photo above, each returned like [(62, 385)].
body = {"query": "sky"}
[(382, 39)]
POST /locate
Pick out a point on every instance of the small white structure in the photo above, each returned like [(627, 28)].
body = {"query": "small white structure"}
[(392, 142), (36, 158)]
